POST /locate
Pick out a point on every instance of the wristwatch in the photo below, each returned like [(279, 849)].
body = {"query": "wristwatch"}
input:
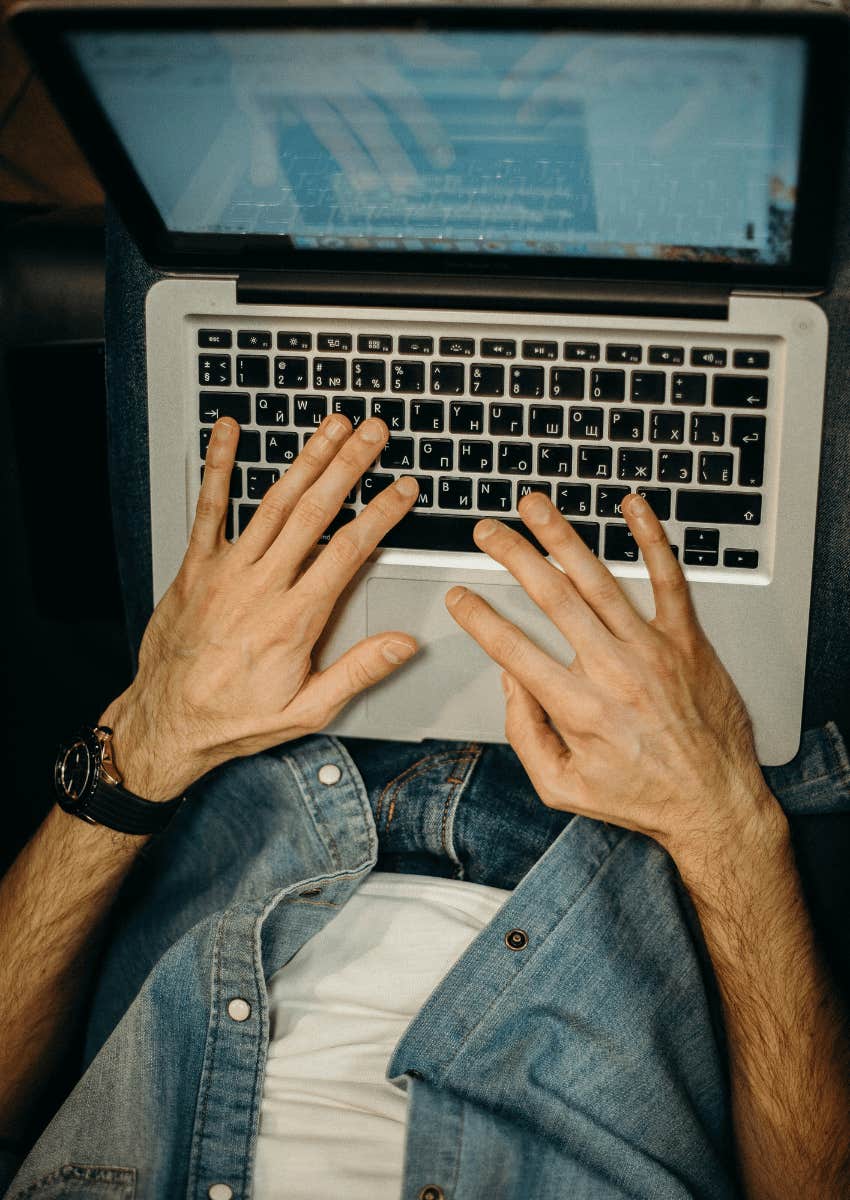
[(88, 786)]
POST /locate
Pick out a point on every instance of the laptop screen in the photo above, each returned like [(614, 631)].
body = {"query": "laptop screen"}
[(659, 146)]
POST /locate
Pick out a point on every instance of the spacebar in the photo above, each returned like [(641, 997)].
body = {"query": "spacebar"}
[(420, 532)]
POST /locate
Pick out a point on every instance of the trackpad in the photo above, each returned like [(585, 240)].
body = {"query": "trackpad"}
[(451, 688)]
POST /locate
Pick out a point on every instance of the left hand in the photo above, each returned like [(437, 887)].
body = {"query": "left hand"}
[(645, 728)]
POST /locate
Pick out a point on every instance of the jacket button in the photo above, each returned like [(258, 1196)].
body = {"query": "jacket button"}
[(220, 1191), (516, 939), (237, 1010), (431, 1192), (329, 773)]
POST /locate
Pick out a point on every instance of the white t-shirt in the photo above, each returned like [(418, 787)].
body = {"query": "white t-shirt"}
[(331, 1124)]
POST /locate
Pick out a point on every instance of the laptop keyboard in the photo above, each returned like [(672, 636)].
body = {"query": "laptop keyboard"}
[(482, 420)]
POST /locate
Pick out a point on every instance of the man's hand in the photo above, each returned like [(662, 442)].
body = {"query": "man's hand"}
[(644, 728), (225, 663)]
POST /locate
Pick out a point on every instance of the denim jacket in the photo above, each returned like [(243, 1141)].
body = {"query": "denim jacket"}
[(580, 1057)]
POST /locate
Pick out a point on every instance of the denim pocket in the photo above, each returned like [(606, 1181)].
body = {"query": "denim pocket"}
[(75, 1182)]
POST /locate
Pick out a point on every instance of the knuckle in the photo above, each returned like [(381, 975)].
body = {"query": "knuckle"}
[(507, 647), (312, 512), (385, 505), (343, 549), (208, 507), (359, 674), (312, 457), (604, 591)]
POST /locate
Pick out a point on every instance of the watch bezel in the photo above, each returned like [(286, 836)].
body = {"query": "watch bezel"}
[(67, 799)]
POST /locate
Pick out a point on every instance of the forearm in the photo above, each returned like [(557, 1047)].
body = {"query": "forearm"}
[(53, 901), (789, 1051)]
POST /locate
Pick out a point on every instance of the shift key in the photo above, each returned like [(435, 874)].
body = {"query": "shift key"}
[(719, 508)]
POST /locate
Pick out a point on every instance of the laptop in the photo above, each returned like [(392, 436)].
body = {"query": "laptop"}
[(555, 249)]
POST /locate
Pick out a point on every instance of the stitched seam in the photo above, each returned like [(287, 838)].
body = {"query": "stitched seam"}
[(261, 1044), (208, 1070), (470, 756), (448, 779), (315, 903), (839, 753), (416, 767)]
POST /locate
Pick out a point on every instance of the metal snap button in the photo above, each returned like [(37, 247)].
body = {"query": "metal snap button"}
[(220, 1191), (432, 1192), (238, 1010), (516, 939), (329, 773)]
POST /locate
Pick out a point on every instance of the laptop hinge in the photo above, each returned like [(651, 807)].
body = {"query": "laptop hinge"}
[(499, 293)]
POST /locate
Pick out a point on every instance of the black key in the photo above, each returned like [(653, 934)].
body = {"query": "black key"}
[(702, 539), (436, 455), (214, 370), (374, 343), (607, 385), (581, 351), (739, 391), (588, 531), (524, 487), (704, 357), (573, 499), (391, 413), (688, 389), (205, 435), (515, 458), (608, 501), (215, 339), (260, 479), (546, 421), (675, 465), (648, 387), (634, 464), (212, 405), (252, 370), (708, 429), (749, 434), (714, 468), (595, 462), (427, 416), (253, 339), (756, 360), (566, 383), (620, 545), (343, 517), (658, 500), (425, 499), (625, 354), (228, 524), (330, 374), (466, 418), (700, 558), (625, 425), (719, 508), (494, 495), (353, 407), (398, 454), (486, 380), (454, 493), (272, 409), (741, 558), (673, 356), (457, 345), (554, 460), (281, 447), (248, 447), (290, 372), (506, 419), (448, 378), (475, 456), (368, 375), (416, 345), (434, 531), (235, 491), (372, 483), (295, 341), (334, 343), (667, 427), (527, 382), (585, 423), (498, 348), (407, 377), (309, 410), (246, 512), (539, 349)]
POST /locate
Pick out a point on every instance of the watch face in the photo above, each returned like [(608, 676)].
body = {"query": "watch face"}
[(75, 770)]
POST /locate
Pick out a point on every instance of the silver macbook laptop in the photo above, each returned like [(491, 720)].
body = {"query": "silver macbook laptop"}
[(554, 250)]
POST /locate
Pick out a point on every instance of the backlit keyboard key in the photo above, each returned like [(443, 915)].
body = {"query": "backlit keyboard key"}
[(457, 345), (295, 341), (254, 339), (335, 343), (375, 343), (581, 351), (212, 405), (416, 345), (739, 391), (719, 508), (527, 382), (497, 348), (539, 349), (624, 354)]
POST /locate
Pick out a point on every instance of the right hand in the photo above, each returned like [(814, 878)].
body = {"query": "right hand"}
[(225, 664)]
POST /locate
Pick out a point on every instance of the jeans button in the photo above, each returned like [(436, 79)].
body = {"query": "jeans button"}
[(329, 773), (220, 1191), (238, 1010), (516, 939), (431, 1192)]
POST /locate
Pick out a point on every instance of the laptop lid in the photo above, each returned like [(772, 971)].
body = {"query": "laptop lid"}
[(693, 147)]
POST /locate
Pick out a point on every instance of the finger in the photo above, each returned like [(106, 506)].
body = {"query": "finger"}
[(321, 502), (365, 664), (591, 578), (538, 747), (320, 586), (282, 497), (546, 679), (213, 500), (548, 587), (674, 607)]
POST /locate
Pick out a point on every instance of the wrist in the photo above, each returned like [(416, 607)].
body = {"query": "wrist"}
[(146, 767)]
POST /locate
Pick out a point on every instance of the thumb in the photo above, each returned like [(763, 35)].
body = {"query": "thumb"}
[(538, 747), (365, 664)]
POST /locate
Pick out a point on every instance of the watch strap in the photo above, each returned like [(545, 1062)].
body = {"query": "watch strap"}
[(121, 810)]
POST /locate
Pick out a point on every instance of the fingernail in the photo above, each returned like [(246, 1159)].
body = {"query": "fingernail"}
[(336, 429), (486, 528), (637, 506), (371, 431), (507, 685), (407, 485), (397, 652), (224, 427), (454, 596), (537, 509)]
